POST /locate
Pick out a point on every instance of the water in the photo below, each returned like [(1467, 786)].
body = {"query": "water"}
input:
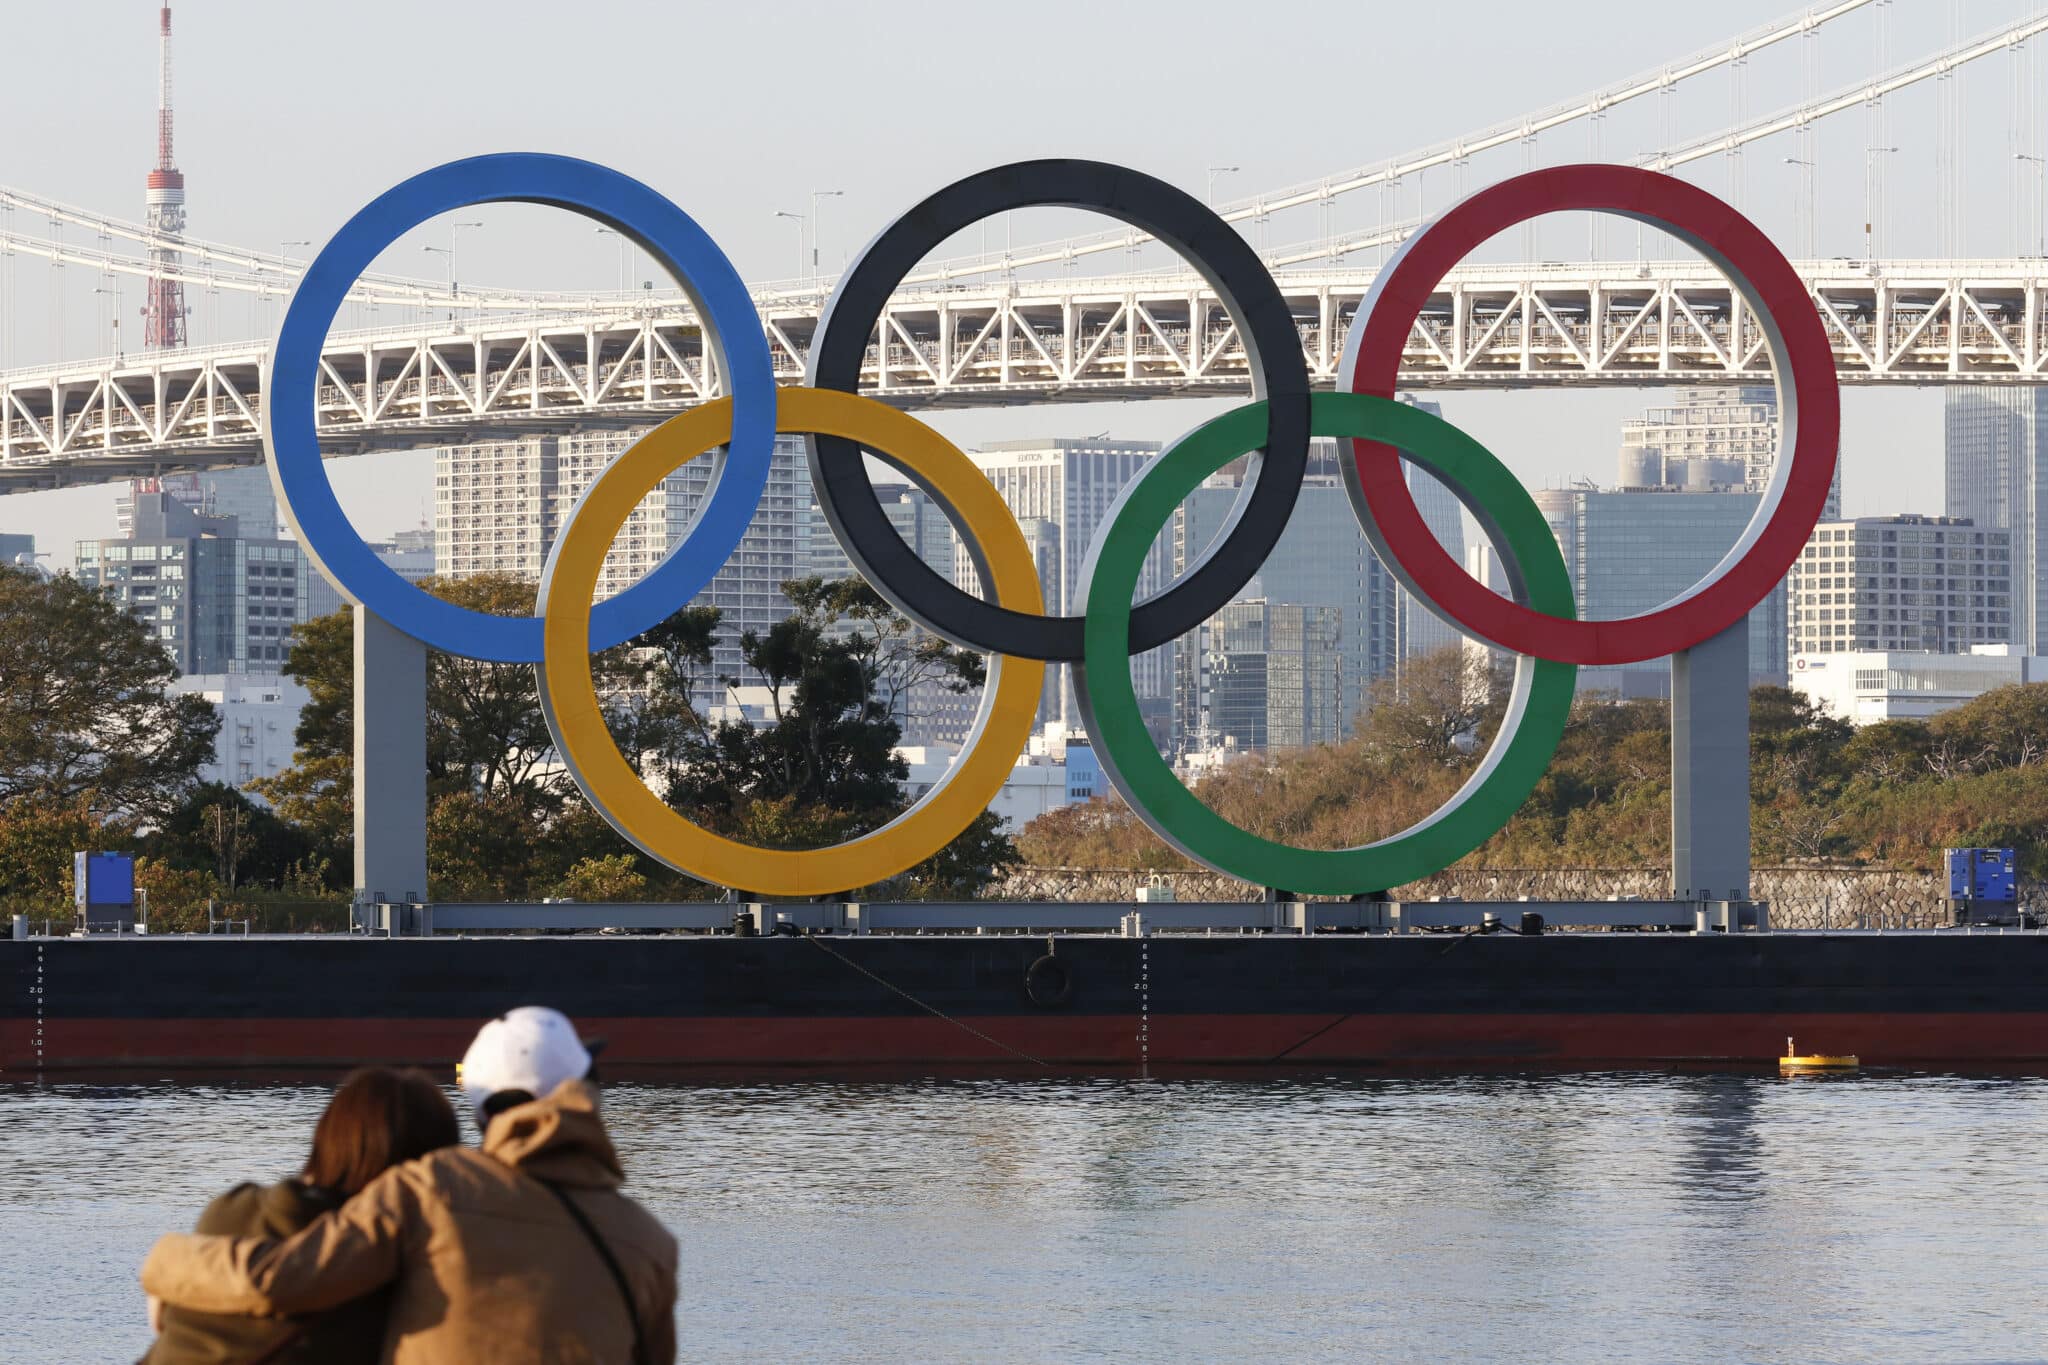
[(1629, 1216)]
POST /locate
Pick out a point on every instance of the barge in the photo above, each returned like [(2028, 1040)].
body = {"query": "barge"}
[(1067, 999)]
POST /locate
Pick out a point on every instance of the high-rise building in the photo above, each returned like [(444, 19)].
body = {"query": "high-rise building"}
[(244, 494), (494, 506), (1710, 440), (1484, 565), (1323, 560), (1941, 584), (1422, 631), (653, 526), (1630, 551), (1069, 484), (498, 506), (931, 711), (1996, 448), (218, 601), (921, 522), (1266, 675)]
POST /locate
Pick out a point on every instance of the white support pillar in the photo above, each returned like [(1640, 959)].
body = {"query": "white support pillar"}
[(1710, 768), (390, 762)]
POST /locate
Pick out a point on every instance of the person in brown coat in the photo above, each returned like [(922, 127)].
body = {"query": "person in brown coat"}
[(377, 1119), (520, 1253)]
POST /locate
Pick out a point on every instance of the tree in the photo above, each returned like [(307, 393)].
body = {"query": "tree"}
[(1438, 709), (504, 817), (612, 877), (1889, 751), (893, 655), (486, 735), (218, 830), (825, 769), (2006, 727), (1797, 772), (38, 835), (650, 713), (85, 705), (829, 748)]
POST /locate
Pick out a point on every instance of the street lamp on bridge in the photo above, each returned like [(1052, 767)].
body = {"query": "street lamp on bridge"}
[(1808, 202), (802, 241), (817, 222), (1215, 171), (625, 245), (454, 286)]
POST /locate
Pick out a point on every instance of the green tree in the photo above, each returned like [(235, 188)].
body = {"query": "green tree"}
[(505, 819), (837, 671), (38, 836), (218, 830), (612, 877), (85, 705), (488, 750), (1798, 770)]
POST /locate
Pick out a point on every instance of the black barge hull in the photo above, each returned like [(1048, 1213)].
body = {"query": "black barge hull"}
[(1079, 1001)]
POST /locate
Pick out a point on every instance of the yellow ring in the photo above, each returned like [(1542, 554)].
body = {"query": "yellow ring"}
[(569, 696)]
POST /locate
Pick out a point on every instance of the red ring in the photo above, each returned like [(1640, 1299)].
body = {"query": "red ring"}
[(1799, 347)]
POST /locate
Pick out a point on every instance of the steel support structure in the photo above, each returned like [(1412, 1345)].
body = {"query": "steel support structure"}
[(1710, 768), (390, 763)]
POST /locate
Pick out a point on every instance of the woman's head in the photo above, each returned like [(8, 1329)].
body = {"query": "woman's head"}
[(379, 1118)]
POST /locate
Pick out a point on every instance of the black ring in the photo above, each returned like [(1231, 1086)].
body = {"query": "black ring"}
[(1048, 983), (1248, 292)]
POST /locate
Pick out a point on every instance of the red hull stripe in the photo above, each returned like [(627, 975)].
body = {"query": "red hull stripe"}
[(1068, 1040)]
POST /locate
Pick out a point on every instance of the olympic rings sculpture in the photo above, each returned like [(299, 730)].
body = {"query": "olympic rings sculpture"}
[(1536, 621)]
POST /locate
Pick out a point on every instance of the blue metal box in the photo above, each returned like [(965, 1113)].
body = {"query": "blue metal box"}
[(1982, 874)]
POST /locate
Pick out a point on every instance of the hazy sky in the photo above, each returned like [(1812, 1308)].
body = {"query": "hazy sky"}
[(290, 116)]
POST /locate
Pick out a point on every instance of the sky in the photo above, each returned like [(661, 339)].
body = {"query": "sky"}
[(291, 116)]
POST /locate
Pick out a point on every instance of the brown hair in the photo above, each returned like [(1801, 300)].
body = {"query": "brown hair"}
[(377, 1119)]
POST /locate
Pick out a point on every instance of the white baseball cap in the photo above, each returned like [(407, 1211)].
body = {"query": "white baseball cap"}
[(532, 1048)]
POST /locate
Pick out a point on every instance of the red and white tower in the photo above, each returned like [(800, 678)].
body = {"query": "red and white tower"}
[(163, 311)]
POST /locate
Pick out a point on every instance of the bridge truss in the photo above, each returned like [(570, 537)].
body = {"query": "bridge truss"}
[(1901, 322)]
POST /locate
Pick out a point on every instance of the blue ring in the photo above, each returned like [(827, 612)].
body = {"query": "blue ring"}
[(734, 335)]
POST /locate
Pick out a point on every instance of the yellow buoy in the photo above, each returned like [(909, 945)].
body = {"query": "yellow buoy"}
[(1815, 1061)]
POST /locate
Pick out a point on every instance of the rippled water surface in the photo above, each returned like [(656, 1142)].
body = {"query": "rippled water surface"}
[(1637, 1216)]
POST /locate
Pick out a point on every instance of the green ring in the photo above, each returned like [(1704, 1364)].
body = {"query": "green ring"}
[(1537, 710)]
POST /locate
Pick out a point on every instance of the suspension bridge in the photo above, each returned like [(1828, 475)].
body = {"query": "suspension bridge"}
[(439, 364)]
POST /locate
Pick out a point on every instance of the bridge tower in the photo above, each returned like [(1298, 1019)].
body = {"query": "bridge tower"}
[(163, 309)]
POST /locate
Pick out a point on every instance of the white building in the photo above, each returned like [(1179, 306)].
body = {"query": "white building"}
[(1868, 686), (1936, 584), (258, 714), (1712, 439), (1035, 785)]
